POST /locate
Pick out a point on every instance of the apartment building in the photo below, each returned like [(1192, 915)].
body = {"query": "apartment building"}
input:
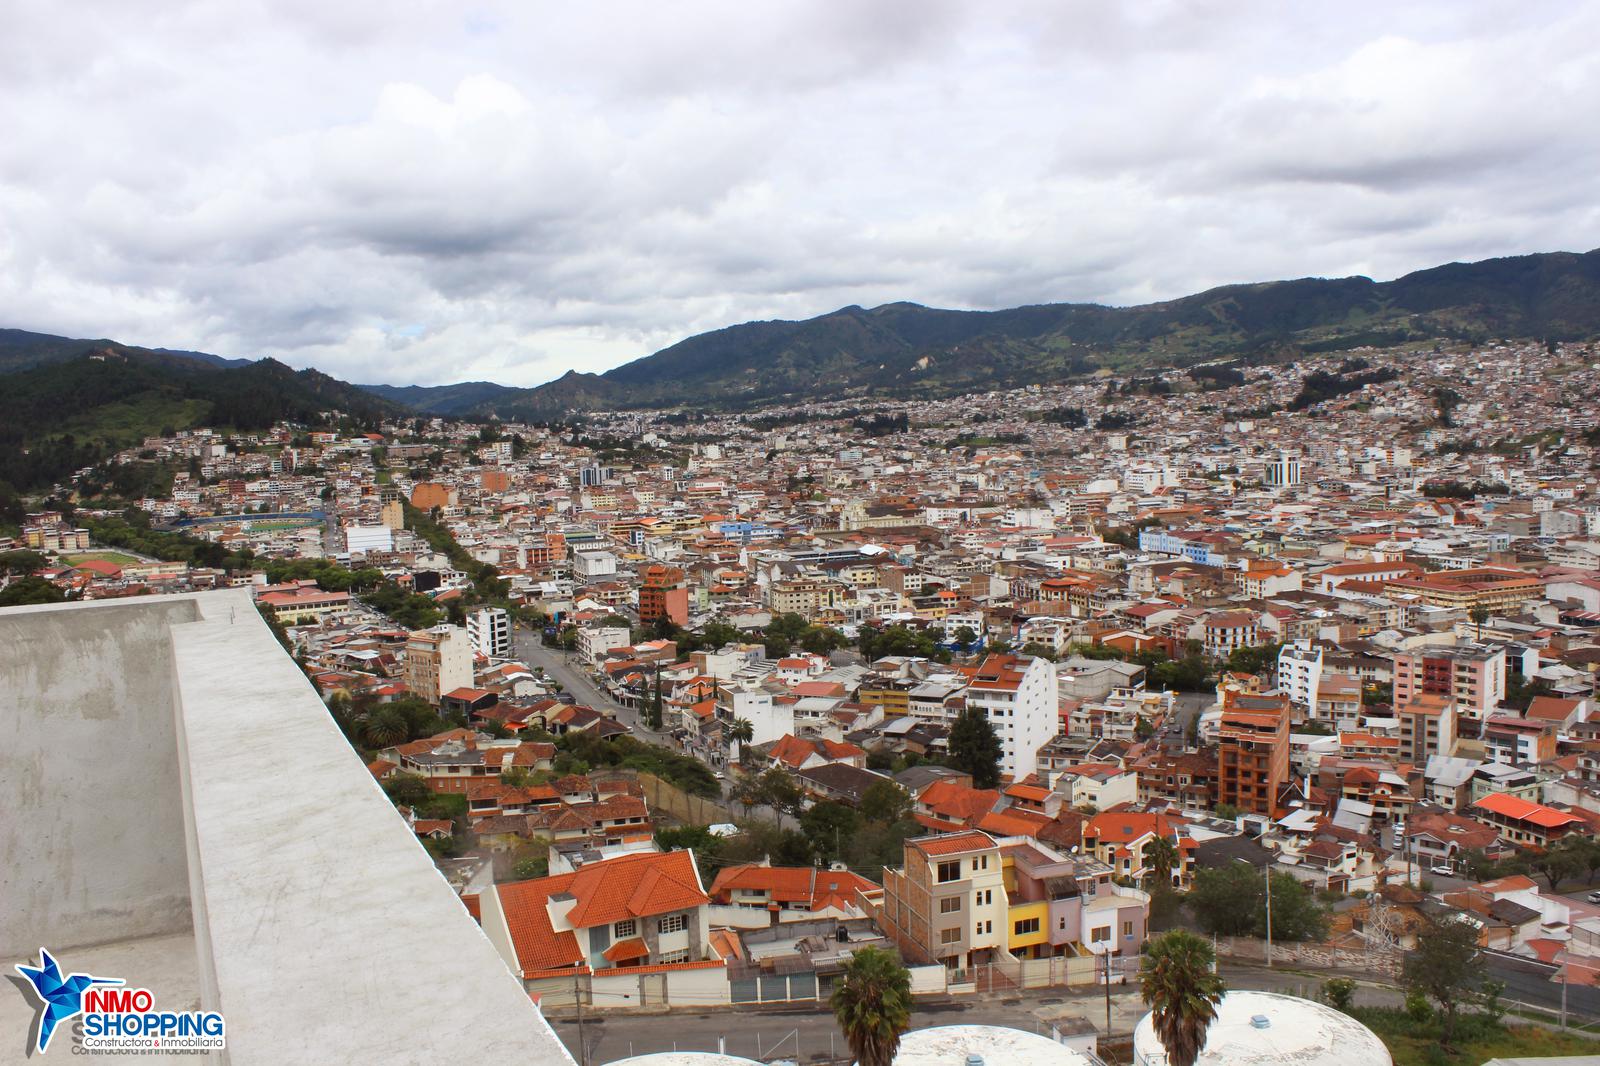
[(1427, 727), (1524, 822), (1472, 675), (1018, 693), (1300, 674), (438, 660), (489, 631), (663, 594), (947, 902), (1252, 752)]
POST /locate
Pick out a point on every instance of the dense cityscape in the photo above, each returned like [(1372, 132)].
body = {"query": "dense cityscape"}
[(800, 534), (691, 709)]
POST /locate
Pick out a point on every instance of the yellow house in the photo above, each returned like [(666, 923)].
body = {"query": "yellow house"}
[(1027, 925)]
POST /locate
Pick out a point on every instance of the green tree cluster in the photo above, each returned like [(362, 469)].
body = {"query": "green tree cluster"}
[(1231, 901)]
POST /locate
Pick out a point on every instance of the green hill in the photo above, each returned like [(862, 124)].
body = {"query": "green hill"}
[(61, 416), (905, 349), (22, 350)]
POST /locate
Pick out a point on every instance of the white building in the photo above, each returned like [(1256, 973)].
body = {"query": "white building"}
[(592, 564), (595, 641), (1283, 472), (1018, 693), (359, 540), (489, 631), (1300, 674), (769, 719)]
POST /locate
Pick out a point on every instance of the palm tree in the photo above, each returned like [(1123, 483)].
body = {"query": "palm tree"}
[(1161, 858), (384, 726), (1182, 992), (1479, 615), (741, 731), (872, 1002)]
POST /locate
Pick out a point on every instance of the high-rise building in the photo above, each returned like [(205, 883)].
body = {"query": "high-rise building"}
[(1018, 693), (438, 660), (1252, 752), (1473, 676), (1427, 727), (489, 631), (1284, 471), (663, 595)]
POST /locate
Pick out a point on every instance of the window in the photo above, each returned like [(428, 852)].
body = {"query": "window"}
[(676, 923), (1027, 925), (1101, 935), (949, 936), (949, 871), (949, 905), (675, 956), (1063, 922), (626, 927), (983, 927), (1127, 928)]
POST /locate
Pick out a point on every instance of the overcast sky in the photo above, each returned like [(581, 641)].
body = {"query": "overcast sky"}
[(420, 192)]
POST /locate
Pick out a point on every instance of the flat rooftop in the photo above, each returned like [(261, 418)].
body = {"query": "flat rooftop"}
[(189, 818)]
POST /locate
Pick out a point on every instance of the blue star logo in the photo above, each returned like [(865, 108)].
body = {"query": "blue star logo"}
[(59, 998)]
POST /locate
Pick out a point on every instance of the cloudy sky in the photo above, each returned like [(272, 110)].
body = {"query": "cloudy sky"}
[(421, 192)]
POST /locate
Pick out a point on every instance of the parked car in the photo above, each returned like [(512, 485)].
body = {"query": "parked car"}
[(1593, 897), (1443, 870)]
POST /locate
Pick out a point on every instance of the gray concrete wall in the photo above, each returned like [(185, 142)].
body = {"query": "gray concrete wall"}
[(91, 815)]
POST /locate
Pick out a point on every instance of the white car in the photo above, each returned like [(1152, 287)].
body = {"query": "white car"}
[(1443, 870)]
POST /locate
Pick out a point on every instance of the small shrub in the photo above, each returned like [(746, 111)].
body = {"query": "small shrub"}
[(1418, 1009)]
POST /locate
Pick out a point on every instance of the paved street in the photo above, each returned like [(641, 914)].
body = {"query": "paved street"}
[(569, 671), (810, 1032)]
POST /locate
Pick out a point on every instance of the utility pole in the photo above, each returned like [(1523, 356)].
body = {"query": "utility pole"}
[(1106, 954), (583, 1044), (1267, 873)]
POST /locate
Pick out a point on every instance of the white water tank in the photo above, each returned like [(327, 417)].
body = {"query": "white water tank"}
[(684, 1058), (995, 1045), (1262, 1028)]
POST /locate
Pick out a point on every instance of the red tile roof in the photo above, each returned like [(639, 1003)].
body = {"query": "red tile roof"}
[(955, 844), (1524, 811)]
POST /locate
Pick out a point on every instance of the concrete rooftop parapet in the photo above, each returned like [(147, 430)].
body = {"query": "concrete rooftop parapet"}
[(322, 931)]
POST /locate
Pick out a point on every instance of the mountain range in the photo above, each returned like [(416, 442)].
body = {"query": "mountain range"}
[(905, 349)]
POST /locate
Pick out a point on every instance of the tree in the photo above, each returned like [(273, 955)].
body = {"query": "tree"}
[(21, 561), (30, 590), (1444, 968), (885, 801), (1160, 858), (1339, 993), (872, 1002), (1479, 615), (741, 731), (407, 790), (974, 747), (1232, 900), (1182, 992), (1566, 858), (777, 789), (827, 825), (385, 725), (965, 635)]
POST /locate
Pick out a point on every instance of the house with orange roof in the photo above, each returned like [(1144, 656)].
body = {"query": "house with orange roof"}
[(1123, 841), (791, 893), (795, 754), (1524, 822), (630, 917)]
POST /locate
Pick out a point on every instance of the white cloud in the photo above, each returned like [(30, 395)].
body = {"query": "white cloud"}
[(417, 193)]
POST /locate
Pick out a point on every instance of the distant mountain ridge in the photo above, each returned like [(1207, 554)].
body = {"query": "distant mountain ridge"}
[(23, 350), (907, 350)]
